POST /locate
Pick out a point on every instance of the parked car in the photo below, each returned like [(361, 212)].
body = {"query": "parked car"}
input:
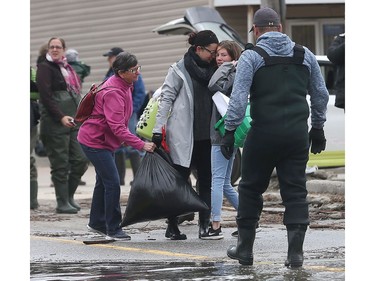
[(202, 18)]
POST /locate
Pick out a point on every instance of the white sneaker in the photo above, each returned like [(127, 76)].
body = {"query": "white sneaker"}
[(89, 228), (212, 234)]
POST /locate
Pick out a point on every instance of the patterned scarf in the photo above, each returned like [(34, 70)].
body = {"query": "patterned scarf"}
[(71, 78), (198, 69)]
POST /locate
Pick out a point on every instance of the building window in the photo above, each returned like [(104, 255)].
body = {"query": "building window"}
[(316, 35), (304, 35)]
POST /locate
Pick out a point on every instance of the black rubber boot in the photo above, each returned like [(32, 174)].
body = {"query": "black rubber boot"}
[(203, 227), (34, 195), (62, 198), (296, 237), (121, 166), (172, 231), (243, 252), (204, 222)]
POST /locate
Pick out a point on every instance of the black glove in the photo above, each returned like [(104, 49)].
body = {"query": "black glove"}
[(157, 138), (227, 144), (317, 140)]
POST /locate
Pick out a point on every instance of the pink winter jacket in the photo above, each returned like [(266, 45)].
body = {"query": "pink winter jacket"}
[(111, 130)]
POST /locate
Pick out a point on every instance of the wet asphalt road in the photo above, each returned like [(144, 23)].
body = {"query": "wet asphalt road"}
[(58, 253)]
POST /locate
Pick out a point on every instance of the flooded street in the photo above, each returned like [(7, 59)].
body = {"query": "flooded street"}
[(143, 271)]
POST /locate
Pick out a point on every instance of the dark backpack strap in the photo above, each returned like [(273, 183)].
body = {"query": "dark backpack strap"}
[(298, 56), (249, 46), (262, 53)]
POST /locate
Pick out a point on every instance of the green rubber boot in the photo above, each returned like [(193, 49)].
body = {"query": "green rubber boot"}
[(73, 185), (62, 199), (34, 195)]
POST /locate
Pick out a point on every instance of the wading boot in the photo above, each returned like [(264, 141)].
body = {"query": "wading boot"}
[(34, 195), (72, 189), (243, 252), (172, 231), (296, 237), (62, 198)]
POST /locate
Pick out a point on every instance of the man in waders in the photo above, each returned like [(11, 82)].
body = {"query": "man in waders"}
[(275, 76)]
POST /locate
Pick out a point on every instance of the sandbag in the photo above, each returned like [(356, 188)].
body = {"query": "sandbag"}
[(159, 191)]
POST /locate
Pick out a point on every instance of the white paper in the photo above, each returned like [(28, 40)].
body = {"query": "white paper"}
[(221, 101)]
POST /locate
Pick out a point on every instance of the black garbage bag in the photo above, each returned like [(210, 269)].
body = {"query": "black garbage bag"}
[(159, 191)]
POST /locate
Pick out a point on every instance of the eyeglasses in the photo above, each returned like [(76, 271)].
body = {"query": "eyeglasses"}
[(135, 70), (55, 47), (213, 53)]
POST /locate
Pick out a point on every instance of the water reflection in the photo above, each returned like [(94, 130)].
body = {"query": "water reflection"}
[(185, 271)]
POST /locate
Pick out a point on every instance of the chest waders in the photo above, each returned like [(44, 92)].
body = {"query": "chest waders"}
[(67, 161), (278, 138), (34, 113)]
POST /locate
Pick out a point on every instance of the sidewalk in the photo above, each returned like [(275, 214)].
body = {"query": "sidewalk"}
[(326, 196), (324, 181), (45, 192)]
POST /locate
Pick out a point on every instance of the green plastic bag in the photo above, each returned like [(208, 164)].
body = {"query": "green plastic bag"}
[(241, 131)]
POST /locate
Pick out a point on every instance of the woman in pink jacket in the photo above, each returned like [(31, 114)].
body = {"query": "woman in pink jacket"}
[(101, 135)]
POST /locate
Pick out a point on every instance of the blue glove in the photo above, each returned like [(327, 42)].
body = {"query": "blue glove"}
[(317, 140), (227, 144)]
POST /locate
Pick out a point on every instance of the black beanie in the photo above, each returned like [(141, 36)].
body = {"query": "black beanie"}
[(203, 38)]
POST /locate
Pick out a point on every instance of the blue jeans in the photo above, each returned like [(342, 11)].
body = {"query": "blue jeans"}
[(105, 213), (221, 182)]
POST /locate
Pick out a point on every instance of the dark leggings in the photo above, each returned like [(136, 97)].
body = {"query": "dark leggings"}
[(201, 160)]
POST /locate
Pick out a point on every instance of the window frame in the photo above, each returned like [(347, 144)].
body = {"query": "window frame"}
[(318, 29)]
